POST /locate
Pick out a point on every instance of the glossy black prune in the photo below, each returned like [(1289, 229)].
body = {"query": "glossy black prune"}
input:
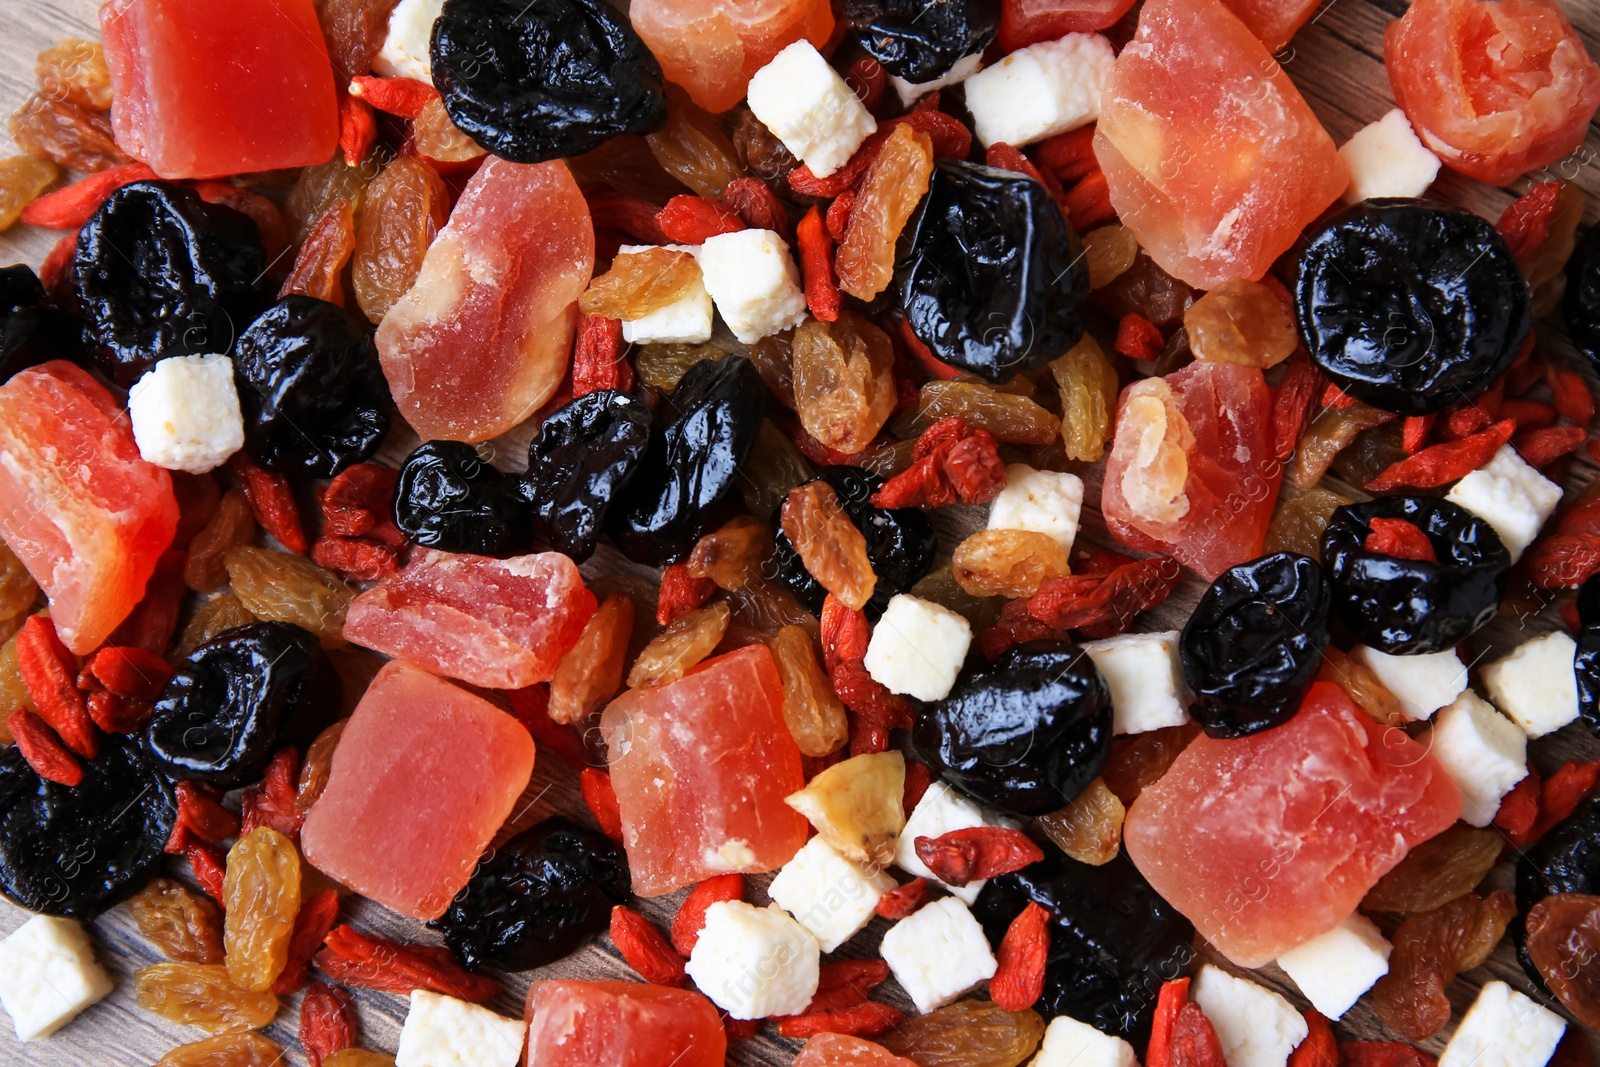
[(1025, 734), (531, 80), (1565, 860), (224, 711), (159, 272), (580, 465), (1580, 304), (32, 329), (1410, 305), (1254, 642), (311, 388), (1408, 607), (537, 898), (989, 273), (1113, 940), (901, 543), (1586, 666), (921, 40), (449, 498), (704, 432), (77, 851)]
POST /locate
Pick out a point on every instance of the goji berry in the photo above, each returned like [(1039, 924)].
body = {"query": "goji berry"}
[(1194, 1039), (816, 266), (128, 672), (951, 462), (846, 983), (739, 1029), (691, 917), (1169, 1002), (1015, 626), (1400, 539), (263, 212), (1530, 414), (405, 97), (49, 673), (1463, 420), (867, 79), (838, 216), (1540, 448), (862, 1020), (271, 501), (70, 207), (1382, 1054), (601, 800), (1445, 462), (1088, 203), (42, 749), (531, 706), (951, 140), (327, 1022), (1526, 222), (918, 778), (1085, 600), (1018, 980), (845, 633), (1002, 156), (358, 129), (153, 621), (316, 918), (356, 959), (272, 803), (1570, 393), (1526, 370), (1291, 404), (645, 948), (1335, 397), (206, 863), (597, 361), (1138, 338), (1318, 1049), (681, 593), (359, 500), (118, 714), (973, 465), (950, 136), (634, 217), (201, 817), (1415, 430), (903, 900), (757, 205), (354, 558), (690, 220), (1069, 156), (1560, 794), (1563, 561), (55, 273), (977, 852)]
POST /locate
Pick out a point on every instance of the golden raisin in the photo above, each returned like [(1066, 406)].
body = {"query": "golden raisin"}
[(1153, 442), (1243, 322), (941, 587), (765, 607), (590, 673), (1006, 415), (318, 187), (811, 708), (664, 365), (1008, 563), (243, 1049), (403, 210), (773, 467), (280, 587), (1087, 383), (1437, 871), (1564, 942), (1090, 828), (829, 544), (688, 640), (890, 192), (23, 179), (1331, 430), (692, 147), (261, 895), (639, 283), (18, 591), (1430, 949), (231, 524), (1137, 760), (1298, 523), (64, 133), (1361, 685), (435, 136), (968, 1033), (891, 459), (314, 771), (732, 554), (75, 70), (210, 619), (318, 269), (201, 994), (1109, 252), (844, 387), (184, 925)]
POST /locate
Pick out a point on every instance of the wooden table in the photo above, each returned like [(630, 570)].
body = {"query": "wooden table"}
[(1337, 63)]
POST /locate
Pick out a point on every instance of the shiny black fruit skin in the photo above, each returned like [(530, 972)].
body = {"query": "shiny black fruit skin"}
[(75, 852), (546, 79), (989, 273), (1254, 643), (1580, 304), (1410, 607), (159, 272), (225, 710), (312, 391), (32, 329), (1564, 860), (581, 463), (704, 433), (1026, 734), (1586, 665), (450, 499), (920, 40), (1113, 940), (1410, 305), (901, 543), (536, 899)]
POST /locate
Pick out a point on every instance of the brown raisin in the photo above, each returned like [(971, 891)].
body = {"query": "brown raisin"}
[(318, 187), (1564, 942), (773, 467), (843, 378), (1243, 322), (1109, 251), (314, 771), (184, 925), (811, 708), (639, 283), (1090, 828), (402, 211), (1137, 760), (1145, 289), (1298, 523), (318, 269), (1430, 949), (201, 994), (66, 134), (23, 179), (354, 31), (692, 147), (689, 639), (1007, 415), (1437, 871), (1330, 431), (1361, 685), (225, 1050), (210, 619), (18, 591), (281, 587), (832, 548), (664, 365), (968, 1033), (435, 136), (890, 192), (231, 524), (732, 554), (75, 70), (763, 154)]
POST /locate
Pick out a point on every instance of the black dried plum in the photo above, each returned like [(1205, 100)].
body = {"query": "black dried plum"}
[(921, 40), (313, 393), (1409, 607), (159, 272), (77, 851), (692, 468), (1409, 305), (1580, 304), (537, 898), (531, 80), (1113, 940), (449, 498), (989, 273), (224, 711), (1565, 860), (1254, 642), (901, 543), (32, 330), (1025, 734), (582, 461), (1586, 666)]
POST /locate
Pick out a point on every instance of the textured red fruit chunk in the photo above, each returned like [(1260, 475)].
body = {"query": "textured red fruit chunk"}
[(580, 1024)]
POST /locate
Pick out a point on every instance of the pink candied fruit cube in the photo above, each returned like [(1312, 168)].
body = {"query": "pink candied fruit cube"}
[(622, 1024)]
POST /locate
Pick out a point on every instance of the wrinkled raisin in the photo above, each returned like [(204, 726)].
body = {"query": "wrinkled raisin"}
[(731, 555), (811, 708), (262, 895), (23, 179), (1090, 828), (185, 925), (201, 994), (1243, 322), (591, 672), (1563, 934), (402, 211), (1007, 416), (284, 588), (75, 70), (664, 365), (210, 619), (1298, 523), (832, 548), (690, 639), (225, 1050), (640, 282), (692, 147), (1437, 871), (1430, 949), (1008, 563), (968, 1033), (843, 380), (436, 137), (66, 134), (1110, 252), (893, 187), (232, 524), (1088, 386), (774, 467)]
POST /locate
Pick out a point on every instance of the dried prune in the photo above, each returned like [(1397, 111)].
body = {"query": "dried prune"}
[(918, 40), (537, 898), (224, 711), (580, 464), (449, 498), (313, 393), (1113, 940), (32, 329), (1410, 305), (531, 82), (900, 543), (989, 273), (1586, 666), (692, 466), (1407, 606), (1026, 734), (159, 272), (76, 852), (1254, 643), (1580, 304)]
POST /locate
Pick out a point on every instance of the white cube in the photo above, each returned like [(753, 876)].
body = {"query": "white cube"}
[(937, 953), (1146, 680), (1511, 496), (1041, 90), (1070, 1043), (910, 92), (1335, 968), (1386, 158), (827, 894), (1536, 686), (918, 647), (1423, 684), (405, 48), (1046, 502), (685, 321), (1503, 1028), (808, 107), (754, 962), (1257, 1027), (941, 810), (442, 1031), (754, 282), (185, 413), (48, 974), (1482, 751)]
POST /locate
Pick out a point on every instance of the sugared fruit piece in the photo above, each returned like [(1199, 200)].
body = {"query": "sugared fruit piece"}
[(579, 1024), (712, 47)]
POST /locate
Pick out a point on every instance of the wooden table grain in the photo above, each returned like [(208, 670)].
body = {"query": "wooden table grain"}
[(1337, 63)]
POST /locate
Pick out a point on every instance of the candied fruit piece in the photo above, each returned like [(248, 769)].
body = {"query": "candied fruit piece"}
[(832, 547), (640, 282), (281, 587), (842, 1050), (201, 994), (591, 672), (402, 210), (630, 1024), (675, 651), (1090, 828), (1008, 563), (843, 380), (858, 806), (890, 192), (1273, 21), (1241, 322), (712, 47), (812, 709), (1025, 22), (261, 893)]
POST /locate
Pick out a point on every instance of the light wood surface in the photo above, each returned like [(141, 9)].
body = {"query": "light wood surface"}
[(1336, 62)]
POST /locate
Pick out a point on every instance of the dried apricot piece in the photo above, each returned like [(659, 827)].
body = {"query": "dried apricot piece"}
[(1008, 563), (690, 639), (640, 282), (811, 708), (402, 211), (590, 673), (832, 548), (890, 192), (1090, 828), (1243, 322), (843, 380), (185, 925), (201, 994)]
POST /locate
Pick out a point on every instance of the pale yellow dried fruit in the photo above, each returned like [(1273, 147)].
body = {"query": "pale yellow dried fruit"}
[(857, 806), (1008, 563), (1090, 828)]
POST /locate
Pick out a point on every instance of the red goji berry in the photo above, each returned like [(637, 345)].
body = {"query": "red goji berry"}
[(55, 273), (1084, 600), (367, 486), (597, 361), (1530, 414), (845, 633), (976, 853), (739, 1029), (601, 800), (271, 501), (918, 778), (531, 706), (201, 817), (1570, 393), (1335, 397), (951, 462), (1194, 1039), (838, 216), (974, 467), (950, 136), (42, 749), (1088, 203), (645, 948), (327, 1022), (1526, 222), (951, 140), (206, 863), (1069, 156), (1519, 810), (757, 205), (405, 97), (1018, 980), (1002, 156), (1463, 420), (1415, 430), (1561, 793), (867, 79), (1399, 539), (690, 220), (49, 673), (903, 900), (1382, 1054), (1169, 1002), (816, 266), (1441, 463), (1015, 626), (272, 803), (356, 959), (634, 217), (355, 559), (358, 129), (862, 1020), (316, 918), (1318, 1049), (128, 672), (1563, 561), (118, 714), (153, 621), (1291, 404), (70, 207), (1138, 338), (1540, 448), (691, 917), (845, 984), (681, 593)]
